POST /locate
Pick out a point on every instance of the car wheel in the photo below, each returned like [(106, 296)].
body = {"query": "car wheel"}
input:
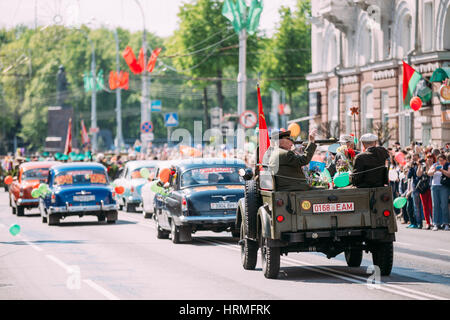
[(44, 218), (270, 259), (160, 233), (130, 207), (52, 220), (147, 215), (235, 233), (13, 209), (20, 211), (353, 257), (101, 218), (249, 251), (175, 232), (383, 257), (112, 217)]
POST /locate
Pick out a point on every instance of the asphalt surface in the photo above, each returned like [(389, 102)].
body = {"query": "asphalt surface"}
[(84, 259)]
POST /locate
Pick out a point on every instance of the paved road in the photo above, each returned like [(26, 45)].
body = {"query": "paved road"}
[(84, 259)]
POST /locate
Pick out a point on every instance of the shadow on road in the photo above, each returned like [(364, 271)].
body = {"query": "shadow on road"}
[(93, 223), (209, 241), (31, 215), (21, 243)]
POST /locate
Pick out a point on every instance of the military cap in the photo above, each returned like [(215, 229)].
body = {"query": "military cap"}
[(368, 137), (345, 138), (281, 134)]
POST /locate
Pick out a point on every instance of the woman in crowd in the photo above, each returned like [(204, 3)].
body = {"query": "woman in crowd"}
[(440, 192), (426, 196)]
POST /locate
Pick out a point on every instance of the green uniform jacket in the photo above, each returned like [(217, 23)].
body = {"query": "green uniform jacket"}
[(290, 176)]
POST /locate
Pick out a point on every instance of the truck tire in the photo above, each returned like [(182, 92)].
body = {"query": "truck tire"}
[(383, 257), (44, 218), (52, 220), (249, 251), (353, 257), (270, 260), (174, 232), (20, 211), (147, 215), (101, 218), (235, 233), (252, 204)]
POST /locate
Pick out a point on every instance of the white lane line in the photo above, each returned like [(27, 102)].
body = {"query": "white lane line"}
[(339, 274), (32, 245), (444, 250), (422, 248), (59, 262), (403, 243), (100, 289)]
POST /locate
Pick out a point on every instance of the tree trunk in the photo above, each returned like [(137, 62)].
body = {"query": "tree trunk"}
[(205, 108), (219, 89)]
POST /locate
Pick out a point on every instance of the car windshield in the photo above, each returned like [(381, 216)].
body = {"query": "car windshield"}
[(35, 174), (80, 177), (136, 174), (205, 176)]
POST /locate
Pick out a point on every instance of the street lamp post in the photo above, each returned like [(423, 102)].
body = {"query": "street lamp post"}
[(242, 83), (119, 135), (93, 100)]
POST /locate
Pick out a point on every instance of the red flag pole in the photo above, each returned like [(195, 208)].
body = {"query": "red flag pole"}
[(68, 146), (263, 134)]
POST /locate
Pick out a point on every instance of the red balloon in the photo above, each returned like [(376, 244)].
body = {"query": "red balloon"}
[(119, 189), (415, 103), (8, 180)]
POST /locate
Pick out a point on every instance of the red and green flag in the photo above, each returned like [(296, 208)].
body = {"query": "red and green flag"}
[(410, 80), (264, 141)]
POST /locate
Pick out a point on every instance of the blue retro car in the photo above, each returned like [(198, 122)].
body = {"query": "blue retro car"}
[(78, 189)]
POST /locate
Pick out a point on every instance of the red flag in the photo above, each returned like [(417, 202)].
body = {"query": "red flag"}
[(152, 60), (84, 135), (68, 147), (131, 61), (124, 80), (141, 61), (264, 142)]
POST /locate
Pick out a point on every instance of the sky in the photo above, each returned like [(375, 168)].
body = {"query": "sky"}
[(160, 15)]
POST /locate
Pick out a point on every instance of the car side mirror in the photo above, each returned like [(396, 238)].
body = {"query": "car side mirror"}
[(246, 174)]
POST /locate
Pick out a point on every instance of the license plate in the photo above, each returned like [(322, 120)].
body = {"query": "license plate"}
[(83, 198), (334, 207), (224, 205)]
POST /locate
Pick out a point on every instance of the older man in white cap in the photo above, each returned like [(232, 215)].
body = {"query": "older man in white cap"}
[(370, 169), (348, 140)]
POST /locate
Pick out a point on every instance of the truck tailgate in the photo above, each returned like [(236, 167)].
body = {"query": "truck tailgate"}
[(332, 209)]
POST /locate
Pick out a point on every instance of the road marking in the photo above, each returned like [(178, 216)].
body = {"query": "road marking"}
[(444, 250), (32, 245), (403, 244), (100, 289), (59, 262), (344, 275)]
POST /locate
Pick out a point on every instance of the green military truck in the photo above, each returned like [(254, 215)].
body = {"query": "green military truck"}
[(349, 220)]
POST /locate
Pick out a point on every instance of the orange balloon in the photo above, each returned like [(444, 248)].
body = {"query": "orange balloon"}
[(164, 175), (8, 180), (119, 189), (295, 129), (415, 103)]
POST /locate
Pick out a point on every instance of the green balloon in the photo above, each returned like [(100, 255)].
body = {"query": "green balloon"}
[(400, 202), (43, 188), (14, 229), (144, 173), (35, 193), (342, 180)]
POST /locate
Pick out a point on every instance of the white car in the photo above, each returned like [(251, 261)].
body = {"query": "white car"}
[(130, 178), (148, 195)]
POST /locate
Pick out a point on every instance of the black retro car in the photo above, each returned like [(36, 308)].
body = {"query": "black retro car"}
[(203, 195)]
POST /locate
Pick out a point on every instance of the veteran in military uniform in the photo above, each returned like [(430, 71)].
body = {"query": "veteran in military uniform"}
[(369, 170), (286, 164)]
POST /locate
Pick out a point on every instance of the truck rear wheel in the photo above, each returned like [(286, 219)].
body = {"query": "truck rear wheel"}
[(252, 204), (383, 257), (353, 257), (270, 258), (249, 251)]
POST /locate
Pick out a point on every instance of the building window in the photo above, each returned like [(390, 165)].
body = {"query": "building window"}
[(428, 26), (332, 58), (365, 47), (348, 114), (406, 40), (333, 111), (385, 107), (367, 110)]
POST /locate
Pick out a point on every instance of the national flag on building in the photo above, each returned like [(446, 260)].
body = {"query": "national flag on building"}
[(264, 142), (68, 147), (410, 80)]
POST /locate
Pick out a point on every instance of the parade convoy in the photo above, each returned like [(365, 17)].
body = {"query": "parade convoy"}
[(223, 195)]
